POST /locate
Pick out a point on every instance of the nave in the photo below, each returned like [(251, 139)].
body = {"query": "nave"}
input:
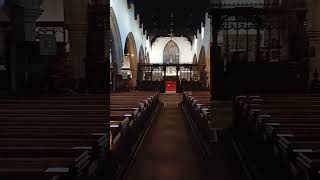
[(170, 150), (245, 74)]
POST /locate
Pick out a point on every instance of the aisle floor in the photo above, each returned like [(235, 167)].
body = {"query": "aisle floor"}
[(168, 152)]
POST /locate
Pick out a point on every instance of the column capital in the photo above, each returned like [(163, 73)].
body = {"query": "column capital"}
[(32, 14)]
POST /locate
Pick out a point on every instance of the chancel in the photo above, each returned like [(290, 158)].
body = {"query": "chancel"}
[(159, 89)]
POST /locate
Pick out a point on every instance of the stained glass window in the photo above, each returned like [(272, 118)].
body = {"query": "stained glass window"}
[(171, 53)]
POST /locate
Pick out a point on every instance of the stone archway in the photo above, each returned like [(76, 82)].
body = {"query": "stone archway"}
[(148, 58), (116, 46), (202, 64), (202, 57), (130, 54), (141, 55), (116, 49), (194, 61)]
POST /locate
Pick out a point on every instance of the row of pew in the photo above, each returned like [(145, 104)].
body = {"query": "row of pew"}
[(58, 137), (282, 132), (130, 114), (198, 106)]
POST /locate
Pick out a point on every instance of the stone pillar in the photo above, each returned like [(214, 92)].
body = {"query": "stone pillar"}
[(313, 17), (78, 49), (3, 61), (3, 33), (23, 16), (115, 76), (31, 14), (98, 45), (76, 23)]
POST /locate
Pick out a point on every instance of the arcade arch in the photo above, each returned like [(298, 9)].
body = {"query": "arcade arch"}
[(202, 57), (130, 57), (194, 61), (202, 64), (141, 55), (116, 45)]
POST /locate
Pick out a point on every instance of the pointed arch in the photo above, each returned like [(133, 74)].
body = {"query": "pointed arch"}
[(116, 46), (202, 56), (171, 53), (131, 56), (148, 58), (141, 55), (202, 60), (194, 61)]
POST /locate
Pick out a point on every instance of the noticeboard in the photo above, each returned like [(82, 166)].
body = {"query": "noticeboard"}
[(48, 44)]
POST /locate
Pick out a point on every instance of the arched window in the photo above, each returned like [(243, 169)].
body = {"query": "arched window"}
[(171, 53)]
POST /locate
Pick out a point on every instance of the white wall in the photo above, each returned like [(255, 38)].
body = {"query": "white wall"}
[(203, 38), (185, 50), (127, 23)]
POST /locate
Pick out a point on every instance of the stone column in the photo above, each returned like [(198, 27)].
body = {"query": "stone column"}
[(313, 16), (31, 14), (23, 15), (3, 33), (98, 45), (75, 14), (3, 61), (114, 78), (78, 49)]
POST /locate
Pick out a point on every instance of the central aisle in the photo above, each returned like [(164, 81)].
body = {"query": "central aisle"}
[(168, 152)]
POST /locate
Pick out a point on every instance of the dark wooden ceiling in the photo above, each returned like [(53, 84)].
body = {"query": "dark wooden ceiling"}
[(163, 17)]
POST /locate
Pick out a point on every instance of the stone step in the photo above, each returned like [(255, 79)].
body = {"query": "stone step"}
[(171, 97)]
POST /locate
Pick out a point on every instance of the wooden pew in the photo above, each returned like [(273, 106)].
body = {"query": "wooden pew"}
[(48, 137), (198, 105), (129, 114), (288, 126)]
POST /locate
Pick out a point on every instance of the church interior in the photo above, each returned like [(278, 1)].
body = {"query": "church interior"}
[(170, 89)]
